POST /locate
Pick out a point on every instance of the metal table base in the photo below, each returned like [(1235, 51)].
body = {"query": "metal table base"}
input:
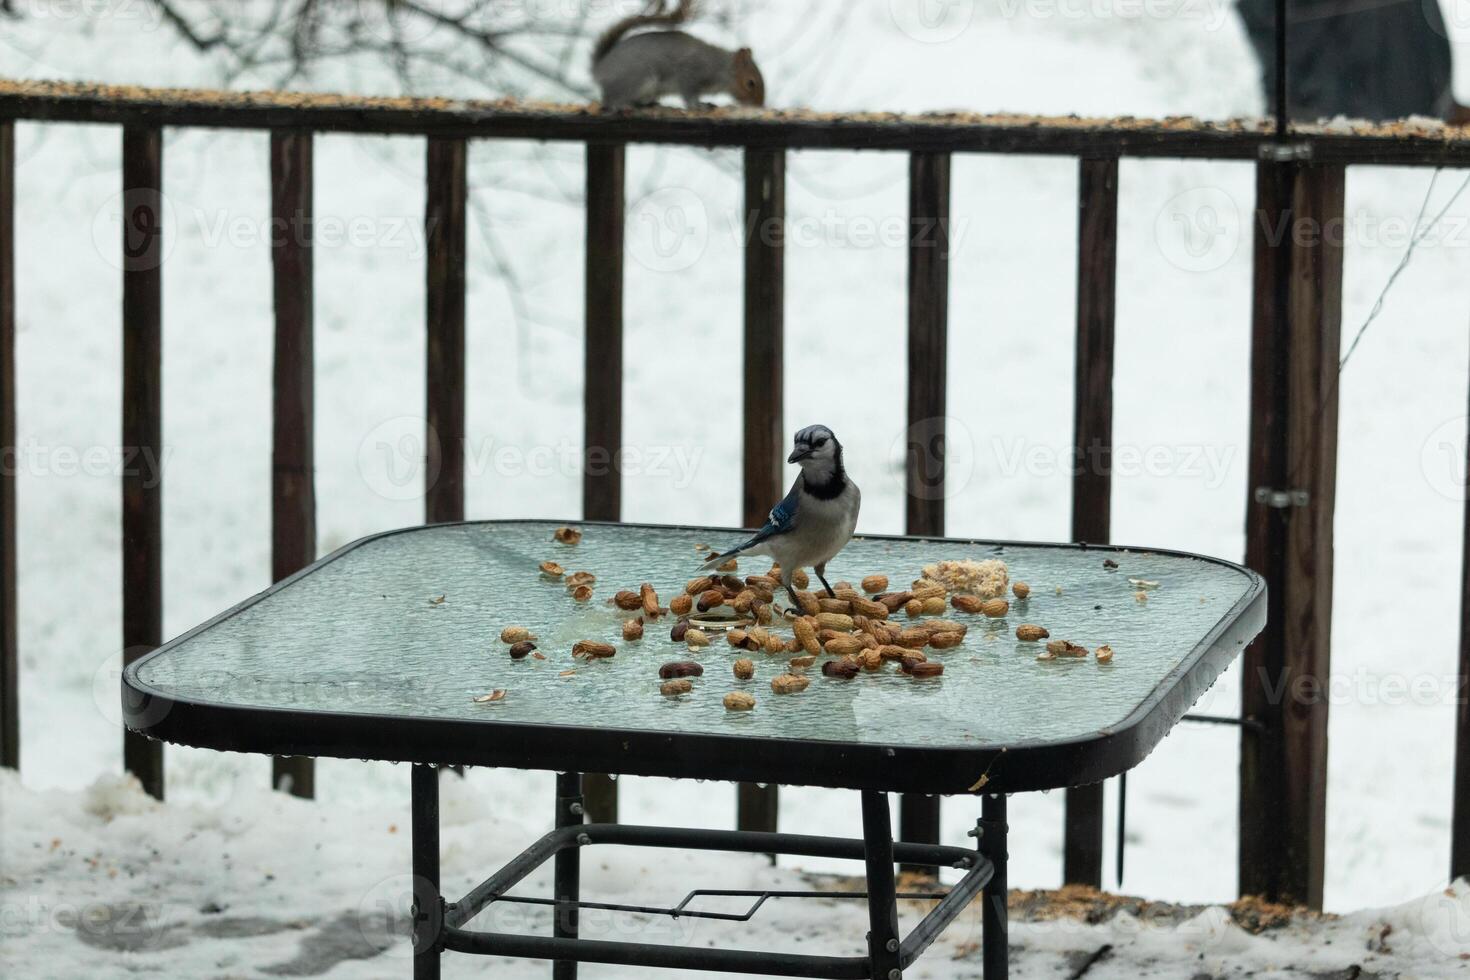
[(439, 926)]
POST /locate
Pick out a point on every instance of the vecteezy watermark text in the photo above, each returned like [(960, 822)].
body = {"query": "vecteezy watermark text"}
[(670, 229), (1208, 464), (37, 459), (401, 456)]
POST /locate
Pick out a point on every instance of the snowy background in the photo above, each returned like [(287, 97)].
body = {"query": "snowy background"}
[(1181, 424)]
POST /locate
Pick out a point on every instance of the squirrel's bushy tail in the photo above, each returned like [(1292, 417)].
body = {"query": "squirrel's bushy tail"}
[(655, 14)]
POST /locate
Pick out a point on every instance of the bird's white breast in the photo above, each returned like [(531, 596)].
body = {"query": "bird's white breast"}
[(822, 529)]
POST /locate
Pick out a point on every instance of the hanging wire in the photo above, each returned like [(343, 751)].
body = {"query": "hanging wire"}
[(1421, 231)]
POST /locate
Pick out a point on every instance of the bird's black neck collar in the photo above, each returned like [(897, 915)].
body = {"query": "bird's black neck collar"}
[(829, 485)]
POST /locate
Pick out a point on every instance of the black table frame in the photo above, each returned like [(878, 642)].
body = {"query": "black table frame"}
[(1022, 765), (439, 926), (874, 769)]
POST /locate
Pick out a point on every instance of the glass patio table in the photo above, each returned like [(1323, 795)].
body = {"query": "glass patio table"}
[(388, 648)]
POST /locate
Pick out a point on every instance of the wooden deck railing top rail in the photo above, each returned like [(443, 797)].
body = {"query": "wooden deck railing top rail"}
[(1395, 143)]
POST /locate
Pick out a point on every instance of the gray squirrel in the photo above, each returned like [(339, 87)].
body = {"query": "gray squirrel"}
[(641, 69)]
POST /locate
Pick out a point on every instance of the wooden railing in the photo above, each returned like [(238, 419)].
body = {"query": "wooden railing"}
[(293, 487), (1295, 339), (1092, 428)]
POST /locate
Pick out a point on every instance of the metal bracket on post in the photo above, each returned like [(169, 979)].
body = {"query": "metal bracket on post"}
[(570, 809), (428, 925), (1282, 499), (1286, 152), (985, 829)]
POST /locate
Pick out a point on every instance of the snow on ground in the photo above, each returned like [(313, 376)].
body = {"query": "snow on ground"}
[(1181, 416), (269, 885)]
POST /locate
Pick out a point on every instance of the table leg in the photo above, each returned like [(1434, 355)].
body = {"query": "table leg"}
[(995, 938), (428, 905), (882, 900), (566, 874)]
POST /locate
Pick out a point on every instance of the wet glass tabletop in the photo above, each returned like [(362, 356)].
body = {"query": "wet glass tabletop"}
[(408, 625)]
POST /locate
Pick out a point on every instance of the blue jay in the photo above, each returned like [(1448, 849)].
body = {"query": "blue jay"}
[(816, 518)]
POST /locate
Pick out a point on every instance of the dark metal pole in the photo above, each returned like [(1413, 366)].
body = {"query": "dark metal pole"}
[(428, 906), (567, 870), (1122, 823), (883, 942), (994, 924)]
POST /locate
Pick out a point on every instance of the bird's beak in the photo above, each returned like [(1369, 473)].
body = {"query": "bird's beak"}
[(798, 454)]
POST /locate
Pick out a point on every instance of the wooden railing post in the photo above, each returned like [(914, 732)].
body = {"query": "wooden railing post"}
[(928, 278), (602, 484), (765, 296), (1092, 441), (444, 365), (1295, 342), (293, 487), (142, 421), (446, 196), (9, 662)]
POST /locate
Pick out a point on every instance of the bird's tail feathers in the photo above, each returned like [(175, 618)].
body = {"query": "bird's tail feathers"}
[(720, 559), (751, 547)]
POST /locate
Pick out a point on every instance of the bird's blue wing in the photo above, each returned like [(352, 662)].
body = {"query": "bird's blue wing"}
[(782, 517)]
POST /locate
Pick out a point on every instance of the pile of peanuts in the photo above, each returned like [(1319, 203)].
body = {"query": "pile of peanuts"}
[(855, 631), (858, 630)]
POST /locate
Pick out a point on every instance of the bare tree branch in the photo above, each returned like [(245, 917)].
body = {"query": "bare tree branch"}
[(493, 41), (185, 27), (297, 36)]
